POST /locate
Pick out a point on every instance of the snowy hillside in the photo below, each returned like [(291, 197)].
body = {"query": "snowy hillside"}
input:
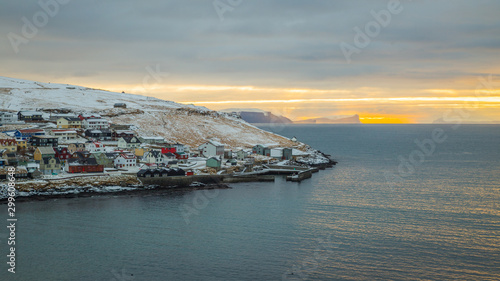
[(187, 124)]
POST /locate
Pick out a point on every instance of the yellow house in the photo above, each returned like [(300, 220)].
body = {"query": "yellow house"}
[(43, 151), (140, 151), (9, 144), (22, 144), (69, 122)]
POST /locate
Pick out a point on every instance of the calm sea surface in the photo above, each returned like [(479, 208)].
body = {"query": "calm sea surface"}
[(436, 218)]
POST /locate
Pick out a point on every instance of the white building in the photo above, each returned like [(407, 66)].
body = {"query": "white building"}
[(129, 143), (179, 148), (7, 117), (125, 160), (95, 147), (95, 123), (64, 135), (154, 157), (277, 153), (211, 148)]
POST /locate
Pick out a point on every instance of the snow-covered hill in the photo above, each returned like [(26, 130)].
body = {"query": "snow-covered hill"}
[(187, 124)]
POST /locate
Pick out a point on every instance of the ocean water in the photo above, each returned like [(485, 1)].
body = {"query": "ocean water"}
[(390, 210)]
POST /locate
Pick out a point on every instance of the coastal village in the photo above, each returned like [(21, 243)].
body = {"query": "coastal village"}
[(57, 144)]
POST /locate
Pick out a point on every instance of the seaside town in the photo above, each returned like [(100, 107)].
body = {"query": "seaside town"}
[(58, 144)]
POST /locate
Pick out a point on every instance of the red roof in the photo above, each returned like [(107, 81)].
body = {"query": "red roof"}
[(8, 142), (31, 131)]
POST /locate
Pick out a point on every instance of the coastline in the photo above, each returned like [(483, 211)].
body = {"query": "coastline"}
[(117, 185)]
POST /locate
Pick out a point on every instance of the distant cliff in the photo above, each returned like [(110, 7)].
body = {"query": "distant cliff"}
[(254, 115), (344, 120)]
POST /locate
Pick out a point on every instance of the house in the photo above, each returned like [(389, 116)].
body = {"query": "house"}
[(168, 149), (11, 158), (85, 116), (95, 147), (55, 116), (106, 159), (99, 134), (287, 153), (62, 154), (65, 135), (169, 156), (140, 151), (211, 148), (122, 134), (277, 153), (228, 153), (26, 134), (179, 148), (241, 155), (29, 116), (173, 164), (213, 162), (50, 165), (129, 143), (294, 139), (152, 140), (120, 105), (125, 160), (154, 157), (95, 123), (69, 123), (181, 157), (232, 162), (7, 117), (261, 150), (81, 155), (8, 144), (83, 165), (32, 166), (20, 173), (74, 147), (43, 152), (21, 144), (37, 141)]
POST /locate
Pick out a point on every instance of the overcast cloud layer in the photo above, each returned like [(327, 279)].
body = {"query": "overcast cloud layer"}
[(266, 45)]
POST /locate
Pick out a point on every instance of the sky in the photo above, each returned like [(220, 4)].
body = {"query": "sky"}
[(388, 61)]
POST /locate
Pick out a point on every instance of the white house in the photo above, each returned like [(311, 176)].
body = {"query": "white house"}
[(94, 123), (179, 148), (129, 143), (95, 147), (277, 153), (7, 117), (125, 160), (154, 157), (64, 135), (211, 148)]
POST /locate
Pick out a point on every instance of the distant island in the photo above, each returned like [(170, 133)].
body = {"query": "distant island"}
[(259, 116)]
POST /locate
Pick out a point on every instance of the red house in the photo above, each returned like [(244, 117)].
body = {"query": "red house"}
[(181, 156), (86, 165), (62, 153), (168, 149)]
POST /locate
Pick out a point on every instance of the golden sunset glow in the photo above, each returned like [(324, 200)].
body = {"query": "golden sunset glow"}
[(374, 105)]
